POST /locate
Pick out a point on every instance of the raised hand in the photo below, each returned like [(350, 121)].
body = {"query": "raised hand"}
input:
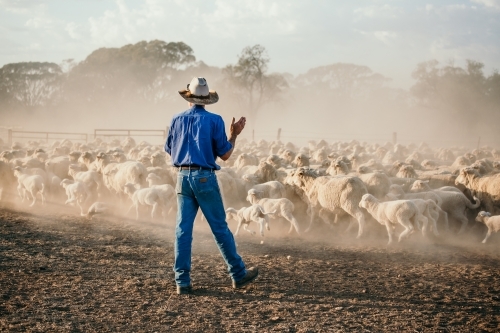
[(237, 127)]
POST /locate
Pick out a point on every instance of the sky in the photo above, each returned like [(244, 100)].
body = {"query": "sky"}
[(390, 37)]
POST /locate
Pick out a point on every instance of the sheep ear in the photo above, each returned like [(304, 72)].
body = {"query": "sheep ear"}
[(487, 214)]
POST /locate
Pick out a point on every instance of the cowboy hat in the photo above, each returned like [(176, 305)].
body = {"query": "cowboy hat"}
[(197, 92)]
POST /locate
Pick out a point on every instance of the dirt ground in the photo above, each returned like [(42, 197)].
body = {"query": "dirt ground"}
[(62, 273)]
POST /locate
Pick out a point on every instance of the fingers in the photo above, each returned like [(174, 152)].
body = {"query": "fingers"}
[(232, 122)]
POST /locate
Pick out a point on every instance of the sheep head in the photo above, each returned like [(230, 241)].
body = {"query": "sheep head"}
[(466, 175), (481, 215)]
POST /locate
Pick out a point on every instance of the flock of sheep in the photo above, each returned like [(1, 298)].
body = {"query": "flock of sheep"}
[(409, 188)]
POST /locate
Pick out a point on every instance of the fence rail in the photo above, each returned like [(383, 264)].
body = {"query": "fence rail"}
[(129, 133), (12, 135), (297, 137)]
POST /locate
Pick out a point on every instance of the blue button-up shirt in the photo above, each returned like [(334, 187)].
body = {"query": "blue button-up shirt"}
[(197, 137)]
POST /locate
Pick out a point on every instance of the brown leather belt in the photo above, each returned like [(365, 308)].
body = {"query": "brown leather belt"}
[(193, 167)]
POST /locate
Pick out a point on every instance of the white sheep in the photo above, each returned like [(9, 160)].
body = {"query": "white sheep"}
[(337, 195), (454, 204), (143, 197), (491, 222), (245, 215), (29, 184), (434, 210), (97, 207), (272, 189), (390, 213), (77, 192), (283, 207)]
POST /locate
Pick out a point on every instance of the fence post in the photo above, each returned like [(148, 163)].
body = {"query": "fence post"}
[(394, 138), (166, 131), (478, 142), (47, 137), (253, 135), (279, 134), (9, 137)]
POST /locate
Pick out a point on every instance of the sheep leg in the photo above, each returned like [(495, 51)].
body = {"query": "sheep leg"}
[(488, 234), (408, 229), (245, 226), (153, 211), (293, 222), (434, 226), (261, 222), (464, 221), (313, 215), (33, 195), (21, 192), (238, 227), (43, 197), (389, 232), (425, 223), (137, 211)]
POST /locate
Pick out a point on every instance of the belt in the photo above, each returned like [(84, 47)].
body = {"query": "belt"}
[(193, 167)]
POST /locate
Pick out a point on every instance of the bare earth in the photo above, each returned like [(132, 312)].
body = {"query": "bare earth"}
[(61, 273)]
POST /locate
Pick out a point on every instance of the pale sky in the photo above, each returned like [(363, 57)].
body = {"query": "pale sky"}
[(390, 37)]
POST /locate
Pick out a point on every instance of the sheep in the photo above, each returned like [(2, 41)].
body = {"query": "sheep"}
[(491, 222), (283, 207), (117, 175), (92, 179), (406, 171), (423, 185), (29, 184), (377, 183), (58, 166), (337, 167), (272, 189), (487, 188), (77, 192), (389, 213), (98, 207), (301, 160), (455, 204), (166, 190), (142, 197), (245, 215), (7, 180), (337, 195), (430, 211), (435, 210)]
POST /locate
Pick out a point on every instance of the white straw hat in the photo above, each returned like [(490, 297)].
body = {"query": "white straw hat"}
[(197, 92)]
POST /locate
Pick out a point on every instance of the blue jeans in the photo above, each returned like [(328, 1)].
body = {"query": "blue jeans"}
[(199, 189)]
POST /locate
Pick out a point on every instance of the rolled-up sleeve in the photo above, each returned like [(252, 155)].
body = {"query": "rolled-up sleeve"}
[(219, 137)]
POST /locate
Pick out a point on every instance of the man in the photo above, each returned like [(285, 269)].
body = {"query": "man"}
[(195, 139)]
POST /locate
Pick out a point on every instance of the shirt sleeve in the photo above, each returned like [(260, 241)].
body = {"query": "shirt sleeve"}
[(168, 143), (219, 136)]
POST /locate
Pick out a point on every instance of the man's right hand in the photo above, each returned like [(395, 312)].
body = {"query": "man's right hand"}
[(237, 127)]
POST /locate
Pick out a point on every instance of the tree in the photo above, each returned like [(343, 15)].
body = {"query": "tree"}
[(29, 84), (142, 70), (467, 97), (341, 80), (249, 82)]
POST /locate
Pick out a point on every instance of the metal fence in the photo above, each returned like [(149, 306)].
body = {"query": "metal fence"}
[(297, 137), (122, 133), (15, 135)]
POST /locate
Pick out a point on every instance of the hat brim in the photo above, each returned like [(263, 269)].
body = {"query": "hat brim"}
[(212, 97)]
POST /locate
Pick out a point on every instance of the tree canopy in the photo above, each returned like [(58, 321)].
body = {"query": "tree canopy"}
[(28, 84), (249, 82), (462, 93)]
